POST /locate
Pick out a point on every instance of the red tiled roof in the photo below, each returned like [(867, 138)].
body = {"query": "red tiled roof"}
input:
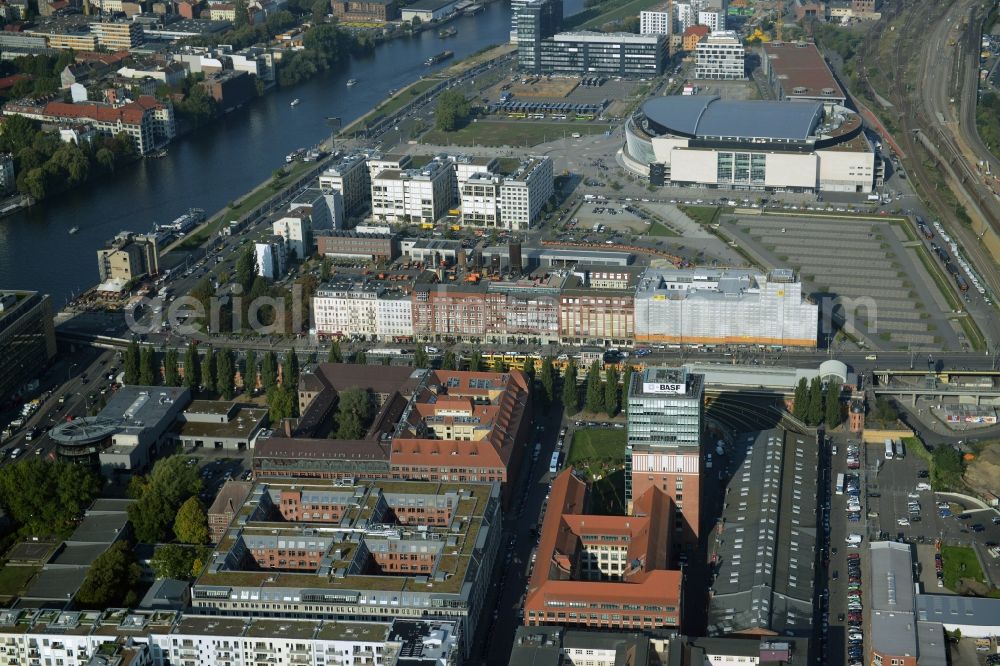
[(9, 81), (129, 114), (700, 30)]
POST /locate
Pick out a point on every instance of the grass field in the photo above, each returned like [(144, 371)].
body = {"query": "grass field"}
[(14, 578), (657, 229), (704, 215), (509, 133), (400, 99), (600, 454), (960, 562)]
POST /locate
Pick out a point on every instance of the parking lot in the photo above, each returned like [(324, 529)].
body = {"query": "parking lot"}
[(841, 259)]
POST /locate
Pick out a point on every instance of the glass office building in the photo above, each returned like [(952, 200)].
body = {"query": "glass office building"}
[(27, 339)]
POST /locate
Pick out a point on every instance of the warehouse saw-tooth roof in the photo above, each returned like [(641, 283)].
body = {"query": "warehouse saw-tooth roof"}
[(710, 116)]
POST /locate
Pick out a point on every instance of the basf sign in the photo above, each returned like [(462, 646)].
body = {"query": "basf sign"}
[(656, 387)]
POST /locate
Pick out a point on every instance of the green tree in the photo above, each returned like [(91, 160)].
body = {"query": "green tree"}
[(833, 413), (476, 362), (147, 367), (815, 412), (800, 406), (354, 413), (420, 357), (546, 377), (111, 580), (325, 270), (269, 371), (192, 369), (280, 403), (611, 396), (173, 561), (360, 357), (450, 361), (571, 393), (499, 365), (452, 110), (42, 497), (947, 469), (131, 366), (334, 355), (208, 370), (529, 373), (290, 370), (191, 524), (246, 267), (225, 374), (171, 377), (594, 401), (249, 374)]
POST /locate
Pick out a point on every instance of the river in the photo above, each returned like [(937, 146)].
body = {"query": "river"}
[(216, 164)]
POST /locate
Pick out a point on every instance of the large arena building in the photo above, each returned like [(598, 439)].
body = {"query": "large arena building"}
[(705, 141)]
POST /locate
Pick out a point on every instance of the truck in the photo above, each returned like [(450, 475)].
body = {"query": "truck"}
[(874, 197)]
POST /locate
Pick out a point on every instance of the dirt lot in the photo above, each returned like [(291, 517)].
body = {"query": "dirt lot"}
[(983, 473), (551, 89)]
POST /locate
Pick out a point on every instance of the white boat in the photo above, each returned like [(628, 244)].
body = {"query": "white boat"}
[(352, 82), (295, 102), (74, 230)]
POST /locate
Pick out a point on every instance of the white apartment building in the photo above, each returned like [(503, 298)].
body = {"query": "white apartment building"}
[(524, 194), (468, 165), (349, 176), (296, 229), (655, 22), (481, 200), (685, 16), (715, 19), (271, 257), (118, 637), (326, 209), (377, 163), (720, 56), (350, 308), (716, 306), (419, 195), (394, 317)]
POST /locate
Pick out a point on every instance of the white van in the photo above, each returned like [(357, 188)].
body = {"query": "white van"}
[(923, 485), (854, 539)]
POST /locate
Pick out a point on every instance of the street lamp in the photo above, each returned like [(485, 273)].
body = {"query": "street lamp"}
[(69, 371)]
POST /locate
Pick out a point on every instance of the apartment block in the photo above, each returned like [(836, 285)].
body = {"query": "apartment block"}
[(604, 572), (480, 200), (524, 193), (599, 310), (598, 53), (128, 256), (686, 16), (120, 637), (720, 55), (664, 408), (346, 308), (349, 176), (380, 561), (657, 21), (715, 19), (272, 257), (419, 195), (326, 209), (296, 229), (466, 166)]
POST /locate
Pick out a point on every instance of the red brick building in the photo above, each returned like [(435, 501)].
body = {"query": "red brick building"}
[(604, 572)]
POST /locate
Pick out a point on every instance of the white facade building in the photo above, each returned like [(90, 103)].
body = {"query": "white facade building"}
[(326, 209), (421, 195), (685, 16), (349, 176), (524, 194), (481, 200), (715, 306), (117, 637), (720, 55), (271, 258), (350, 308), (715, 19), (296, 229), (655, 22)]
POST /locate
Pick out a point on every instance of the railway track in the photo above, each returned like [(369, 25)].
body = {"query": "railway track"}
[(922, 136)]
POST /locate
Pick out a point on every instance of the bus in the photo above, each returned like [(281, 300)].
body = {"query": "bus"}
[(888, 449), (554, 463), (898, 449), (839, 488)]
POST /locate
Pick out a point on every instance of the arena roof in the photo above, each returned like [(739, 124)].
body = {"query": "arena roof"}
[(710, 116)]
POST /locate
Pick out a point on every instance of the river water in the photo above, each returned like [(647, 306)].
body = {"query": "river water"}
[(216, 164)]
